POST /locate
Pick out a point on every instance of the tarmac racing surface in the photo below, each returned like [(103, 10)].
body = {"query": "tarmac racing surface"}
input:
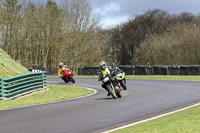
[(97, 113)]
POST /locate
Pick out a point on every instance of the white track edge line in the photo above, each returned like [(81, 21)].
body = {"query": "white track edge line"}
[(159, 116)]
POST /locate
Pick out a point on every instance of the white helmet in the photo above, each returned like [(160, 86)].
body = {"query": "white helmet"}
[(61, 65), (102, 63)]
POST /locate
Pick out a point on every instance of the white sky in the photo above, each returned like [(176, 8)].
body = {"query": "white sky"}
[(117, 11)]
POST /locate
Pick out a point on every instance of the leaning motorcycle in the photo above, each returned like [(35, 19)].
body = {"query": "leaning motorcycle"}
[(120, 75), (66, 75), (112, 88)]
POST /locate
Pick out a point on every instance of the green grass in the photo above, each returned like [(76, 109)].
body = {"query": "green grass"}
[(187, 121), (10, 67), (164, 77), (52, 94)]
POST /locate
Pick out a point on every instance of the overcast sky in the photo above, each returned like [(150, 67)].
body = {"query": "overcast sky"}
[(117, 11)]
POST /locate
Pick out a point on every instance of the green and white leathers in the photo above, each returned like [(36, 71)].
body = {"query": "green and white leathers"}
[(105, 71)]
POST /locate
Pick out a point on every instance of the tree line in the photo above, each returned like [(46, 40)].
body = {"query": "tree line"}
[(157, 38), (47, 34)]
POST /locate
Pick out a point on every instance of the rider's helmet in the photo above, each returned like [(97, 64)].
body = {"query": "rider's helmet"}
[(102, 64), (113, 66), (61, 65)]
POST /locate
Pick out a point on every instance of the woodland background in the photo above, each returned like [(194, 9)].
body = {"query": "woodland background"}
[(71, 33)]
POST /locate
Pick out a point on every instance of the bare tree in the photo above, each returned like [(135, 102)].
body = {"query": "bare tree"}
[(47, 34)]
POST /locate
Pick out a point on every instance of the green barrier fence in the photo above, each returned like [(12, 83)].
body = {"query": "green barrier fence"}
[(20, 85)]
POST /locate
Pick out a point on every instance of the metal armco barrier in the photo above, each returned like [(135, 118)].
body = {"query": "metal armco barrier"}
[(20, 85)]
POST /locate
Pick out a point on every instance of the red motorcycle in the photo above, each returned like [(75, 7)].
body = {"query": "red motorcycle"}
[(66, 75)]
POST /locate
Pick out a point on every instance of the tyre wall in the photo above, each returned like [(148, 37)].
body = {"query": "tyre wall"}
[(136, 70), (148, 70)]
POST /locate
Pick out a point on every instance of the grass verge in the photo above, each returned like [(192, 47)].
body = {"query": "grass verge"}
[(164, 77), (186, 121), (52, 94)]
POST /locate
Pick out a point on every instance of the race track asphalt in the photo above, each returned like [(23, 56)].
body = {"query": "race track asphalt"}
[(98, 113)]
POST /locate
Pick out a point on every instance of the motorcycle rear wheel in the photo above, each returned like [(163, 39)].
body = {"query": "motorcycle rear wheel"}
[(123, 84)]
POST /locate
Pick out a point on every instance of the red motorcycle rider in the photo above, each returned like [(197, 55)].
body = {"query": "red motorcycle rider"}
[(66, 74)]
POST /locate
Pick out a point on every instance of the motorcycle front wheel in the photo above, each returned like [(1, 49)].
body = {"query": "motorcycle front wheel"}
[(118, 92), (72, 79), (111, 91)]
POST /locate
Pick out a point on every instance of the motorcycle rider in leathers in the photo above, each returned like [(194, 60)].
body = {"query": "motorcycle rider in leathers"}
[(104, 70), (114, 69), (63, 68)]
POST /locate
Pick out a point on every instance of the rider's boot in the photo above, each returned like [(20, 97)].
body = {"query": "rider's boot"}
[(108, 93), (104, 86)]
